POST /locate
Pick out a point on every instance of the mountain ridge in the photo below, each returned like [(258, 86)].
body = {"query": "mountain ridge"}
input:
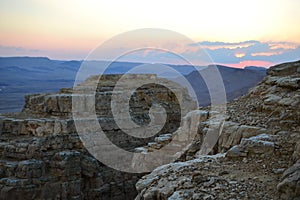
[(23, 75)]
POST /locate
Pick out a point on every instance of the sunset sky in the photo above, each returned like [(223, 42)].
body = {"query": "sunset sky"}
[(233, 32)]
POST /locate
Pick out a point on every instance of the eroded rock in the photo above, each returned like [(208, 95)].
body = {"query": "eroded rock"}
[(289, 187)]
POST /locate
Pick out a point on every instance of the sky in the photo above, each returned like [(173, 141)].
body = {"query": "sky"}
[(233, 32)]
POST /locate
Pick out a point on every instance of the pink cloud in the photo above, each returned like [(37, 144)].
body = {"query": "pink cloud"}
[(283, 45), (258, 63)]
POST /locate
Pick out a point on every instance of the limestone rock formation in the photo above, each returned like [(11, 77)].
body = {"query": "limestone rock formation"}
[(260, 146), (289, 187), (42, 156)]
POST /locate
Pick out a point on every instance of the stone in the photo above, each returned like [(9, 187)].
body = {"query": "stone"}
[(279, 171), (236, 151), (30, 169), (293, 83), (233, 133), (272, 99), (258, 145), (284, 69), (289, 187), (296, 154)]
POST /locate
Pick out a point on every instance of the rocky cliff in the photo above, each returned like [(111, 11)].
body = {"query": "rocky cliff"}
[(256, 156), (42, 156), (257, 153)]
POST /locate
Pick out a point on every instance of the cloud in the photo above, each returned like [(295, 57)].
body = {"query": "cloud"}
[(252, 51), (237, 54), (223, 45), (12, 51), (266, 53), (283, 45)]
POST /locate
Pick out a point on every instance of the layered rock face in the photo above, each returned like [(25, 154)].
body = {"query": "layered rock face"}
[(42, 156), (257, 152)]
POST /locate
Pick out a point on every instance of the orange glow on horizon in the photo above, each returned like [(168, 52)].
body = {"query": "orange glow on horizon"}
[(72, 28), (257, 63)]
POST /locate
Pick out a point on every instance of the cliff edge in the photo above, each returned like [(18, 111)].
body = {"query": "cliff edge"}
[(257, 155)]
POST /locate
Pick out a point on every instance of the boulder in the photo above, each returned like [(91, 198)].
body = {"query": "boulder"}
[(260, 144), (233, 133), (289, 187), (296, 154), (284, 69)]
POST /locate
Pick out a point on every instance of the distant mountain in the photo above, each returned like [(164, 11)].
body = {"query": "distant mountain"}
[(26, 75), (255, 68), (237, 82)]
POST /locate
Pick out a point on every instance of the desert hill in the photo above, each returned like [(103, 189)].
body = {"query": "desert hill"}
[(20, 76)]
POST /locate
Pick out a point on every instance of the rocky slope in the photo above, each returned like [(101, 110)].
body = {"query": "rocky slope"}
[(257, 155)]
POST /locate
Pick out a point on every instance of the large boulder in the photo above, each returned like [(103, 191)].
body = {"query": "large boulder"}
[(284, 69), (258, 145), (289, 187)]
